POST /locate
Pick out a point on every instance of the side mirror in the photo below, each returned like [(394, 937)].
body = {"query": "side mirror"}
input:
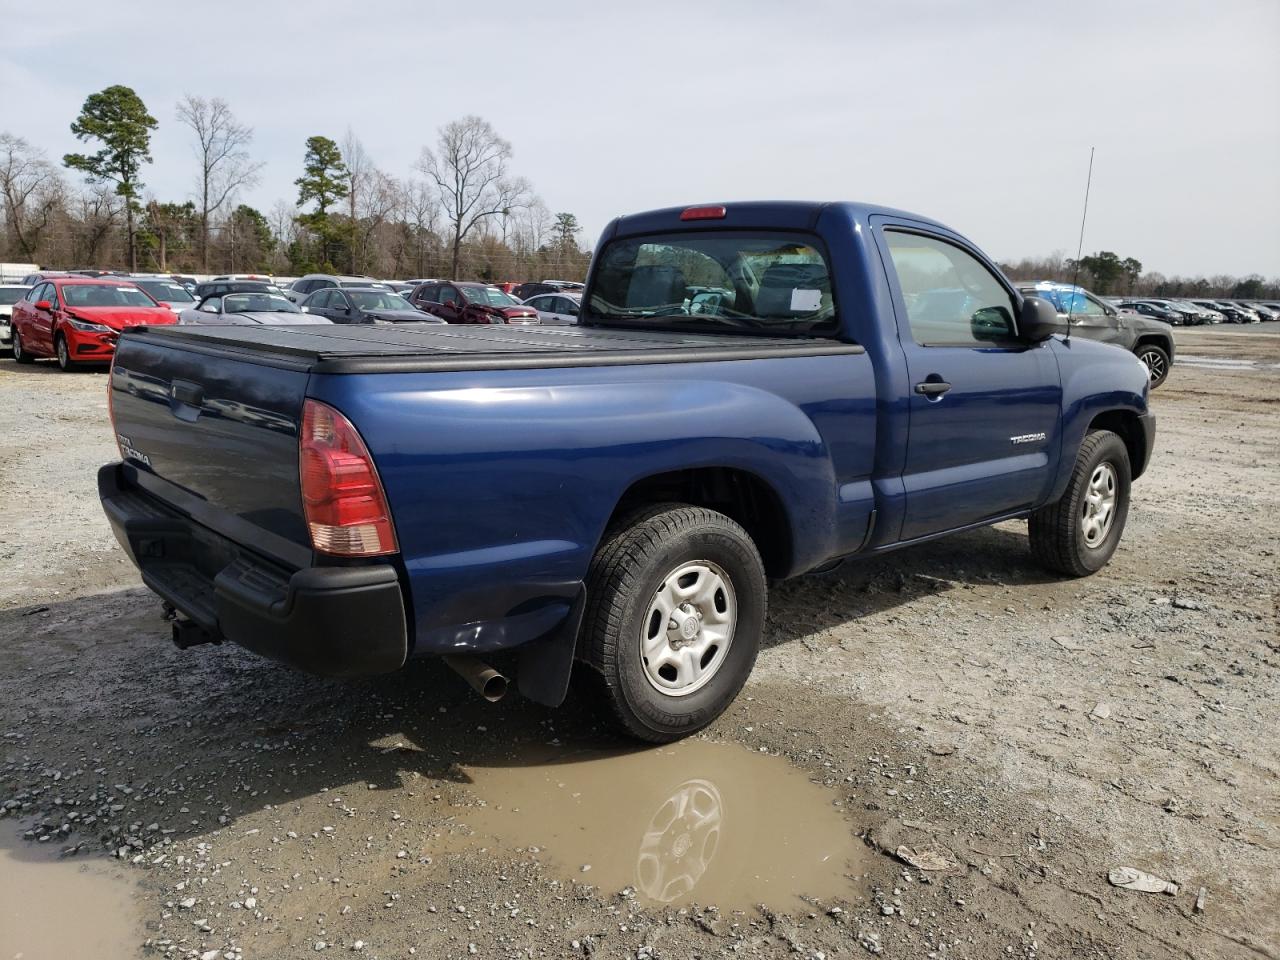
[(43, 305), (1038, 320)]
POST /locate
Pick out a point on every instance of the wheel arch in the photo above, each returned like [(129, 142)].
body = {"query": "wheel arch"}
[(741, 495), (1125, 425)]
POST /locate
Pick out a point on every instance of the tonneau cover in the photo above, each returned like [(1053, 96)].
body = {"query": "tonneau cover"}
[(370, 348)]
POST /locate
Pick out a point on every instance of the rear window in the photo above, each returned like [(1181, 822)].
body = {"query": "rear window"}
[(163, 290), (772, 282)]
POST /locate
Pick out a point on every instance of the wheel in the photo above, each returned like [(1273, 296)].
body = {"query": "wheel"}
[(676, 602), (65, 363), (1157, 362), (20, 354), (1078, 534)]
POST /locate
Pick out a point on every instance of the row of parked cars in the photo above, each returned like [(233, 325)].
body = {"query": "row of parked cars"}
[(76, 318), (1194, 312)]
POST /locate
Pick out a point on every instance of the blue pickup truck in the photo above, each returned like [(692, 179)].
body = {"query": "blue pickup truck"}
[(755, 391)]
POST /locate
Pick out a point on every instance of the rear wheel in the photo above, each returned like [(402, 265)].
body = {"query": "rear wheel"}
[(65, 363), (676, 603), (19, 352), (1078, 534), (1156, 360)]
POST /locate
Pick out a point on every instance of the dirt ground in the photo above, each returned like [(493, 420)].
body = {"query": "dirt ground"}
[(951, 701)]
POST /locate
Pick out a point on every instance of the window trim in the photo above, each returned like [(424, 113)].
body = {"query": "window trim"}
[(1013, 343)]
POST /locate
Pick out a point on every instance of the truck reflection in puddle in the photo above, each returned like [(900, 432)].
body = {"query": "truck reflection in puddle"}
[(696, 821)]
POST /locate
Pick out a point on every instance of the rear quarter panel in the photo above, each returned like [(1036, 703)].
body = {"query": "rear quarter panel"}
[(501, 483)]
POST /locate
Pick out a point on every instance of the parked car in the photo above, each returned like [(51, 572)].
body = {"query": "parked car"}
[(1264, 311), (264, 277), (471, 303), (364, 305), (621, 492), (524, 291), (10, 293), (217, 288), (78, 320), (1156, 312), (31, 279), (1148, 339), (567, 284), (556, 309), (241, 309), (303, 287), (168, 292)]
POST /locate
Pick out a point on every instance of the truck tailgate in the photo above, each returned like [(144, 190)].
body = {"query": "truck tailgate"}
[(220, 428)]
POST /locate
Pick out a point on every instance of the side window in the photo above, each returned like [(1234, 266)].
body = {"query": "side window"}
[(448, 295), (320, 300), (338, 300), (37, 293), (430, 294), (320, 284), (952, 299)]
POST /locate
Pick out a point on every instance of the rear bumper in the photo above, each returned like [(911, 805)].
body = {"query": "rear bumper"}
[(332, 621)]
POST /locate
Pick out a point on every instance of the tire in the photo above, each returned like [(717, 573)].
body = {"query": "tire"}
[(1156, 360), (648, 561), (63, 353), (19, 354), (1058, 532)]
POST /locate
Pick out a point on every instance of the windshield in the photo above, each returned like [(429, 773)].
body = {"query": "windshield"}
[(257, 303), (163, 290), (367, 300), (104, 295), (9, 295), (779, 282), (491, 296)]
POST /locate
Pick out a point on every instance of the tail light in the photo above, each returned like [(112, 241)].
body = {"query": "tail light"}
[(703, 213), (342, 497)]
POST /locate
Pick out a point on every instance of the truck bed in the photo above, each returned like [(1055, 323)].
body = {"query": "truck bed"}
[(401, 348)]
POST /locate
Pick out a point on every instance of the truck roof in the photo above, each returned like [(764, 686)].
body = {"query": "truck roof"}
[(361, 348), (774, 214)]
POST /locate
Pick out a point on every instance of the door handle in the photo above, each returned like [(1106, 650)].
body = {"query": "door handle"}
[(933, 389)]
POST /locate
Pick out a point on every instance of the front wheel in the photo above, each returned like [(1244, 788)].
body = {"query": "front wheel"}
[(1078, 534), (1157, 363), (676, 602), (65, 363)]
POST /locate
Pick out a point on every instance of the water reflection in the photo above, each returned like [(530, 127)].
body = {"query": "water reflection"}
[(698, 821)]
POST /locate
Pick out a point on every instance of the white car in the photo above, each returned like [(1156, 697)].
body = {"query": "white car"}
[(556, 309), (10, 293), (167, 292)]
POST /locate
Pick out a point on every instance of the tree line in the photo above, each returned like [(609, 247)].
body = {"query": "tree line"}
[(461, 212), (1108, 274)]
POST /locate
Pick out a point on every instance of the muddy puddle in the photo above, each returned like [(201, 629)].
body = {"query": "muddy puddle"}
[(707, 822), (53, 909)]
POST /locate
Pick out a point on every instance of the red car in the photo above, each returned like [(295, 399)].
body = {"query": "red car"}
[(470, 303), (78, 320)]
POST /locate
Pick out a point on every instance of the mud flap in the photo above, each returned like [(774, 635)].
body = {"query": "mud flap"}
[(545, 664)]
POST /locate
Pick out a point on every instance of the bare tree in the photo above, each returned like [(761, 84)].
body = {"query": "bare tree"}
[(360, 170), (469, 170), (222, 149), (32, 191), (421, 214)]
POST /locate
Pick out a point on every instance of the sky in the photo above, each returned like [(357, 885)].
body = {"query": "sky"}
[(979, 114)]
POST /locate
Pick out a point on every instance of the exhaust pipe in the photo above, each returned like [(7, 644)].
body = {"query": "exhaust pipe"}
[(484, 680)]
